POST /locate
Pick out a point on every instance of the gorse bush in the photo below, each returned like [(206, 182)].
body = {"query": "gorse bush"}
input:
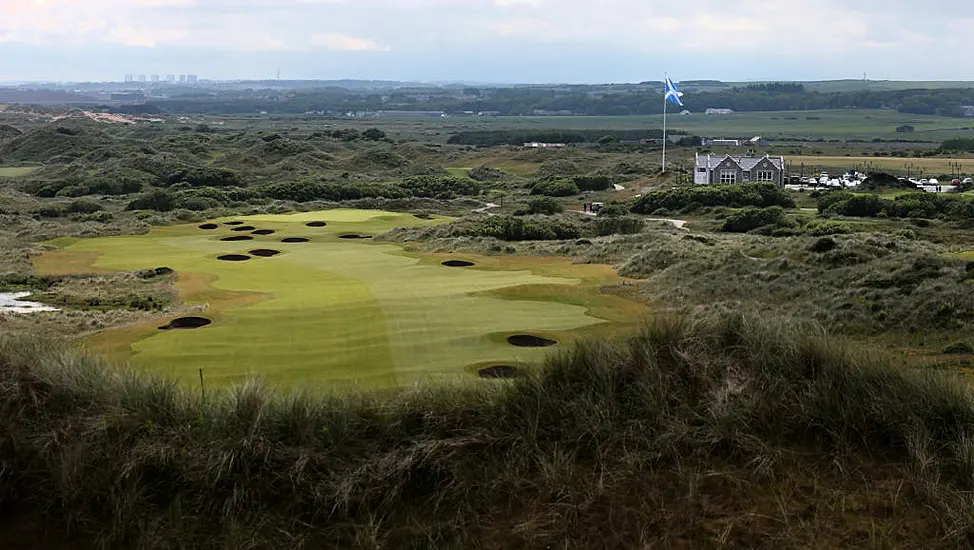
[(547, 206), (555, 188), (487, 174), (911, 205), (603, 441), (593, 182), (618, 225), (760, 195), (750, 219), (510, 228)]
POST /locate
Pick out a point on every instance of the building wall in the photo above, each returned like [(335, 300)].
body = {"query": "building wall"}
[(726, 164)]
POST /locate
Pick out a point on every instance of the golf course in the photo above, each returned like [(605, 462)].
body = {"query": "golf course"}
[(311, 298)]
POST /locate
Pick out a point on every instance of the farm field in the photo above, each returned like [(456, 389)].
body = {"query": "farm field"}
[(341, 311), (840, 124), (929, 165), (827, 124)]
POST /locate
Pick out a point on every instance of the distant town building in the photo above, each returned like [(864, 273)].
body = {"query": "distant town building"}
[(489, 113), (968, 110), (727, 169), (128, 79), (719, 111), (539, 145), (412, 114), (182, 79), (192, 79), (721, 142), (142, 79), (756, 141), (154, 78), (170, 78)]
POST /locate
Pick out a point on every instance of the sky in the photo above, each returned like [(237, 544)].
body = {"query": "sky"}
[(488, 41)]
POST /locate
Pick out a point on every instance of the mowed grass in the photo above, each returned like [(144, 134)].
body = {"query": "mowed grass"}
[(930, 165), (340, 312), (16, 171)]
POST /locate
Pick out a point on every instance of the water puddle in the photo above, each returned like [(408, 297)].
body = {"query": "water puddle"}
[(12, 302)]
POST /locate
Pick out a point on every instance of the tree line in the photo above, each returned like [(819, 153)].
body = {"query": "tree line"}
[(578, 100)]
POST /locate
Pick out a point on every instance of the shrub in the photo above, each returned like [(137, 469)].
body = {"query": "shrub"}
[(486, 173), (373, 134), (100, 217), (205, 177), (820, 228), (593, 183), (613, 209), (84, 207), (439, 187), (862, 206), (557, 169), (510, 228), (760, 195), (545, 205), (618, 225), (959, 348), (750, 219), (198, 204), (51, 211), (159, 200), (825, 244), (555, 188)]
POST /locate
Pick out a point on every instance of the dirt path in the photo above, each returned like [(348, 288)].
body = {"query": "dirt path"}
[(679, 224)]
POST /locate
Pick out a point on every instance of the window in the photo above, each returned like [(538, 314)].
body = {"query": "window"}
[(702, 170), (747, 176), (765, 175), (728, 176)]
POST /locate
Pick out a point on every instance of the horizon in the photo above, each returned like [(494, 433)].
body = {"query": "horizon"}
[(203, 80)]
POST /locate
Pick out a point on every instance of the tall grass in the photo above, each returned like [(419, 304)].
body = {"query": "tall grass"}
[(709, 432)]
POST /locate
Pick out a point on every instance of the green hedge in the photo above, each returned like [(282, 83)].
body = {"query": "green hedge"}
[(760, 195)]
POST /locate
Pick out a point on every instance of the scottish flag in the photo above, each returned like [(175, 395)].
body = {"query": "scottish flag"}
[(673, 93)]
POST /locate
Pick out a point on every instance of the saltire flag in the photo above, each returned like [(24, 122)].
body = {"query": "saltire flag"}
[(673, 93)]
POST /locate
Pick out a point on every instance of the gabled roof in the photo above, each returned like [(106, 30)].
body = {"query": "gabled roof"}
[(746, 163)]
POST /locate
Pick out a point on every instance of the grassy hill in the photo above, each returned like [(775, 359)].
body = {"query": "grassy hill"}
[(728, 431)]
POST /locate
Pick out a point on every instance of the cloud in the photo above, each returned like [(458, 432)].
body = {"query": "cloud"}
[(777, 34), (341, 42)]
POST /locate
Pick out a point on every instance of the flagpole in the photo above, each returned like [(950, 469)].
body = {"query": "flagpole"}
[(664, 127)]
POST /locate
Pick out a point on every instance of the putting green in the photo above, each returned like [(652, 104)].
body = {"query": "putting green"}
[(334, 310)]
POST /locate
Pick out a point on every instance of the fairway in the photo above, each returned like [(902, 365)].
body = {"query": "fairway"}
[(339, 310)]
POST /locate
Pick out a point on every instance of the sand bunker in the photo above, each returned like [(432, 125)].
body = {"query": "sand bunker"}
[(264, 232), (529, 341), (295, 240), (186, 323), (264, 252), (316, 224), (237, 238), (232, 223), (243, 228), (499, 371), (209, 226), (457, 263), (353, 236), (233, 258), (423, 216)]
